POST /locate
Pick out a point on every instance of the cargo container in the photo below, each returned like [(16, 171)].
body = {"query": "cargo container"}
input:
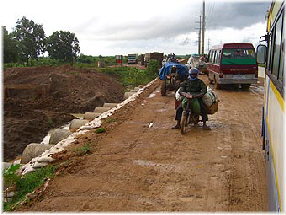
[(119, 59), (153, 56)]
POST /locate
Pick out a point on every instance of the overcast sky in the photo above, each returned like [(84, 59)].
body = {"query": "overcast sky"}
[(110, 27)]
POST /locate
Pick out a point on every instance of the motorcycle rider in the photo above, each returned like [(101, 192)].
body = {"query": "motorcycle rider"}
[(197, 88)]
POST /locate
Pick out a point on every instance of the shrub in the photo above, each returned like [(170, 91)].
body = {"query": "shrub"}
[(100, 130), (85, 149), (153, 67)]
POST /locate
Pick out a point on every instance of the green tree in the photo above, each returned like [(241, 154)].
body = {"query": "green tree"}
[(10, 47), (153, 67), (30, 37), (63, 45), (86, 59)]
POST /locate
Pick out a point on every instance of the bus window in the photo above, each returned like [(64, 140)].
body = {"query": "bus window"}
[(271, 46), (277, 48), (281, 68)]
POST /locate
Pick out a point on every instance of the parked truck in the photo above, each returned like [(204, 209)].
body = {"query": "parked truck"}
[(154, 56), (132, 59)]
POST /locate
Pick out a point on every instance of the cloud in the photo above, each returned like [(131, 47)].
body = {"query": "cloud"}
[(113, 26), (180, 44), (236, 14), (180, 20)]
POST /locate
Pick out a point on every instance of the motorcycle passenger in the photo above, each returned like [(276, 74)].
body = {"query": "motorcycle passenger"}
[(197, 88), (173, 69)]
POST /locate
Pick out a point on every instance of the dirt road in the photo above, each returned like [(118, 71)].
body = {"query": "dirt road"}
[(137, 168)]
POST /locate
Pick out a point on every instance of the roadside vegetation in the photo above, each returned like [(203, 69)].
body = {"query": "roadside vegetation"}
[(84, 150), (21, 186), (25, 45), (131, 76)]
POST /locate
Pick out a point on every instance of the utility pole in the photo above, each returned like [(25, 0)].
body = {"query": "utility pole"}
[(199, 35), (203, 29), (208, 44), (200, 30)]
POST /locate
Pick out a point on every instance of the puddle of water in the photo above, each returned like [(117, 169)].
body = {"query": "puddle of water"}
[(162, 126), (219, 165), (162, 167), (161, 110), (144, 163), (227, 147), (257, 90), (214, 177), (137, 123), (216, 124)]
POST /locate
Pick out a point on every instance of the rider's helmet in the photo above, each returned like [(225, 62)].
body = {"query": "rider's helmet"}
[(193, 73)]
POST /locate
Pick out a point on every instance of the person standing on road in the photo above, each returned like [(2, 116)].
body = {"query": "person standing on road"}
[(197, 88)]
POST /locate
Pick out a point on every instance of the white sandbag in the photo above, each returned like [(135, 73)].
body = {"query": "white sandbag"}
[(178, 96), (209, 98)]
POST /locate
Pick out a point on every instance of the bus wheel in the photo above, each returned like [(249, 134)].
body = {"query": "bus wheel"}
[(245, 86)]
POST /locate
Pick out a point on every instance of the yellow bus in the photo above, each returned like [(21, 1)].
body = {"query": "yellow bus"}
[(273, 127)]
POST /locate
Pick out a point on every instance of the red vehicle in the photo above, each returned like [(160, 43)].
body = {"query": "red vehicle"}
[(232, 63)]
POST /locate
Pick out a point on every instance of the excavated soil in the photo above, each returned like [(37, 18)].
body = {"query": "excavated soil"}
[(40, 98), (138, 166)]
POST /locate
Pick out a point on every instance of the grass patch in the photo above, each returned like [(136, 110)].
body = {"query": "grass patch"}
[(130, 76), (25, 184), (110, 120), (84, 150), (100, 130), (10, 177)]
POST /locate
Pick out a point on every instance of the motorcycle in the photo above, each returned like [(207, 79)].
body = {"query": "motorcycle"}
[(191, 113)]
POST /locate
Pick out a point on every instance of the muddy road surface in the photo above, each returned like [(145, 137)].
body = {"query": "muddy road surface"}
[(135, 167)]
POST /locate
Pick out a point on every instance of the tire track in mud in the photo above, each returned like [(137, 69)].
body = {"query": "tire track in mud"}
[(244, 185), (140, 168)]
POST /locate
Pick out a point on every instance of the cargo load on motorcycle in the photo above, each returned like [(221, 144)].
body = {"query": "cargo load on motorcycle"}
[(210, 99)]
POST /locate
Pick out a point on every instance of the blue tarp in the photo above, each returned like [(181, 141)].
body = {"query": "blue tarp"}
[(182, 70)]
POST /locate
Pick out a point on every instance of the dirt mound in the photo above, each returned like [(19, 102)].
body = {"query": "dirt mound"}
[(40, 98)]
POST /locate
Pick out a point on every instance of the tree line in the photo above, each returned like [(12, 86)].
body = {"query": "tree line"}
[(28, 41)]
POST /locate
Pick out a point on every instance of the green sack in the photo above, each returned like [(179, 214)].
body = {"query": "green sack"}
[(195, 106)]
